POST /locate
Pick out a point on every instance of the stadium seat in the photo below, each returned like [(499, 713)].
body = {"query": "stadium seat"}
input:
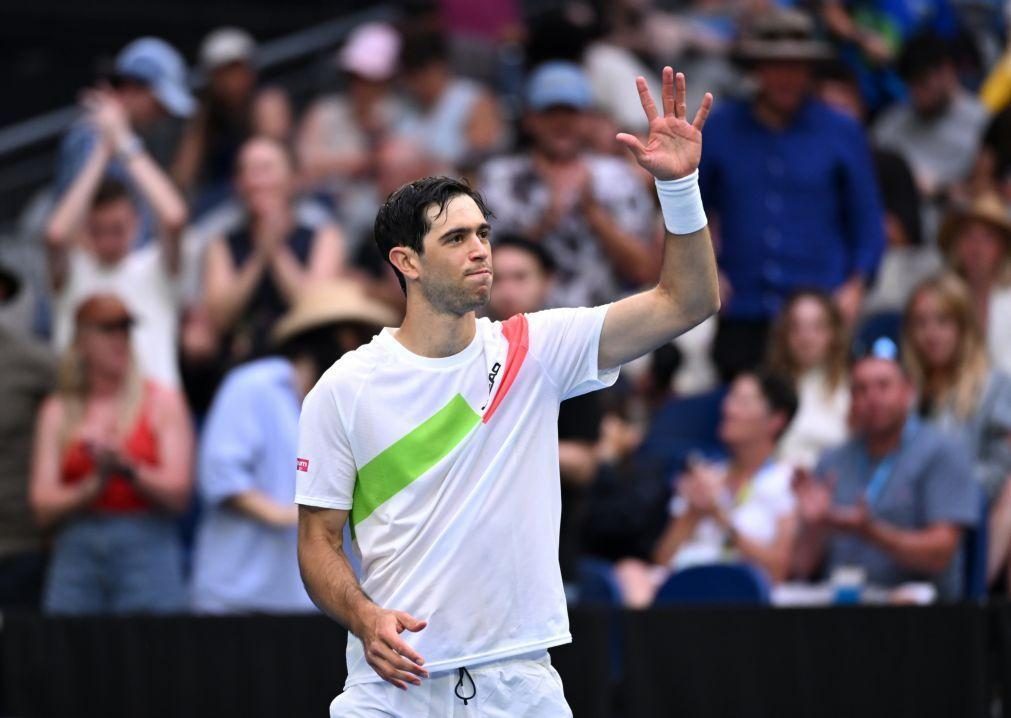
[(715, 584), (682, 426), (596, 583), (974, 554)]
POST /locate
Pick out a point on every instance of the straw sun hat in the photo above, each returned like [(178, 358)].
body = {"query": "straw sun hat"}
[(987, 208), (330, 303), (781, 34)]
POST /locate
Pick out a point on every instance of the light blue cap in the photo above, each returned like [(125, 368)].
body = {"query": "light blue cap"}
[(159, 66), (559, 83)]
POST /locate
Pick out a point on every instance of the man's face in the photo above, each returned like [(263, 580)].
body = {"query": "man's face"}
[(141, 106), (112, 227), (521, 285), (931, 92), (784, 85), (558, 132), (454, 272), (881, 396)]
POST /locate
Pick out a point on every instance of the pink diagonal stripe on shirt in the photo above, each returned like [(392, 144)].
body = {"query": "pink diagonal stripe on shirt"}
[(516, 332)]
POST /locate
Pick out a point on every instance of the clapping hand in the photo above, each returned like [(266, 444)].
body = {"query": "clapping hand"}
[(107, 114)]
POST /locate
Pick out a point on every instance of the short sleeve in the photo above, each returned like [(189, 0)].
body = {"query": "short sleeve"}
[(951, 493), (565, 342), (325, 470), (230, 444)]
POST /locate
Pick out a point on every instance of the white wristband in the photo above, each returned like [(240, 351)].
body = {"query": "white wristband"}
[(681, 204)]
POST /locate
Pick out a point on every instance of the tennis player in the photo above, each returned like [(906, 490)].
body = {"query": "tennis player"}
[(439, 442)]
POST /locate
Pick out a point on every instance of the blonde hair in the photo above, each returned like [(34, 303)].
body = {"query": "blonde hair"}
[(73, 390), (970, 364), (779, 358)]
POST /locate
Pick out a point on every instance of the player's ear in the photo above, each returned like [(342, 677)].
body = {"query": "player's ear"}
[(405, 260)]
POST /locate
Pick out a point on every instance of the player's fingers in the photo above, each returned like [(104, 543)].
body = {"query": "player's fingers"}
[(648, 105), (667, 92), (703, 114), (632, 143), (385, 671), (410, 622), (680, 109), (386, 666), (401, 648)]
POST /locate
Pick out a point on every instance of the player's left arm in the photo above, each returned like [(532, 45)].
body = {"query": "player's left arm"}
[(687, 292)]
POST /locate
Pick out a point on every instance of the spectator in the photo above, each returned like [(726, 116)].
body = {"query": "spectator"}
[(588, 211), (340, 132), (523, 276), (957, 389), (111, 463), (809, 345), (246, 542), (204, 160), (27, 374), (90, 234), (253, 274), (907, 259), (894, 499), (976, 243), (455, 119), (938, 129), (791, 186), (148, 83), (742, 509)]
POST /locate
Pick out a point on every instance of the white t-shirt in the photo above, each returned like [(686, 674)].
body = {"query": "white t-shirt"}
[(450, 469), (144, 284), (768, 499)]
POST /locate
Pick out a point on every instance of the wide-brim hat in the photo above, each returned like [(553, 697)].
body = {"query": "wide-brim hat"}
[(781, 35), (988, 208), (332, 302)]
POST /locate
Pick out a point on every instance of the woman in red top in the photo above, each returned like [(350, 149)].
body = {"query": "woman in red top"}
[(112, 462)]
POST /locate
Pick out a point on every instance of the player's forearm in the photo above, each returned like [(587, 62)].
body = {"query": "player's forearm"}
[(332, 585), (688, 277)]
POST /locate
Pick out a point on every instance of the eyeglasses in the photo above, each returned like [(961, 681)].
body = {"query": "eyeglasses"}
[(114, 326)]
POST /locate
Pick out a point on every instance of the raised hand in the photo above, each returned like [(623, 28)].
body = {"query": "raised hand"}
[(674, 146)]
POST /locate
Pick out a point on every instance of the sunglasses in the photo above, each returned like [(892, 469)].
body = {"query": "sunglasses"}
[(113, 326), (880, 348)]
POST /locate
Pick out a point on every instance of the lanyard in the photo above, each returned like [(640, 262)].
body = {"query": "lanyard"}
[(882, 473)]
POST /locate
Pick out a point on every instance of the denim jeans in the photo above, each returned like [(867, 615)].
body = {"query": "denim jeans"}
[(116, 564)]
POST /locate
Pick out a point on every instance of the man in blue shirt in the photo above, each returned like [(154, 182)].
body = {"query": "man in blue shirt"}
[(793, 189), (244, 559), (895, 499)]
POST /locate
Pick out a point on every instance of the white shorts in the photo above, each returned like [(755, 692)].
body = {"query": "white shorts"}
[(520, 687)]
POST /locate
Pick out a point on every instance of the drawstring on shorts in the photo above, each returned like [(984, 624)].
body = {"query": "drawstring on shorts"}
[(460, 687)]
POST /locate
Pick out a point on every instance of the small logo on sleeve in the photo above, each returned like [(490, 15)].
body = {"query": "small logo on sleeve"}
[(302, 464)]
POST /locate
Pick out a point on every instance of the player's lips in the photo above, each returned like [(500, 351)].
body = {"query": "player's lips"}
[(479, 272)]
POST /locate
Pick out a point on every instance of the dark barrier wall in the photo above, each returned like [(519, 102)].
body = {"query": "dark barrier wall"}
[(856, 662)]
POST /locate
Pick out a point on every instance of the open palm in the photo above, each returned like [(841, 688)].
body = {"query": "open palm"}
[(674, 146)]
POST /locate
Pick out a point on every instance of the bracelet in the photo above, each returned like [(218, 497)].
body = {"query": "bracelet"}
[(129, 146), (681, 204)]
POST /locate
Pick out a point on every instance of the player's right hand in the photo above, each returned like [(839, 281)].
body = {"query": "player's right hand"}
[(390, 656)]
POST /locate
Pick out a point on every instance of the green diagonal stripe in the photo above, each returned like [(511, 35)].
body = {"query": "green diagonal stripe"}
[(411, 456)]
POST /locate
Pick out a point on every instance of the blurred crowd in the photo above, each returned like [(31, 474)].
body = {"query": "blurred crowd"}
[(848, 409)]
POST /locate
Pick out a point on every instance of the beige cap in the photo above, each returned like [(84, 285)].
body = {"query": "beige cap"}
[(330, 303), (226, 45), (987, 208), (371, 51)]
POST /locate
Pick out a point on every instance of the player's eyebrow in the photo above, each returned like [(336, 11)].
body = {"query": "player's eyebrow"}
[(463, 230)]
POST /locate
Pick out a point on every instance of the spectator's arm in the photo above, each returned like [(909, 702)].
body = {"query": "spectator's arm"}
[(326, 261), (633, 259), (50, 499), (227, 290), (260, 507), (168, 205), (169, 483), (190, 155), (484, 126), (809, 549), (928, 550), (70, 211), (577, 461), (679, 529), (774, 557)]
